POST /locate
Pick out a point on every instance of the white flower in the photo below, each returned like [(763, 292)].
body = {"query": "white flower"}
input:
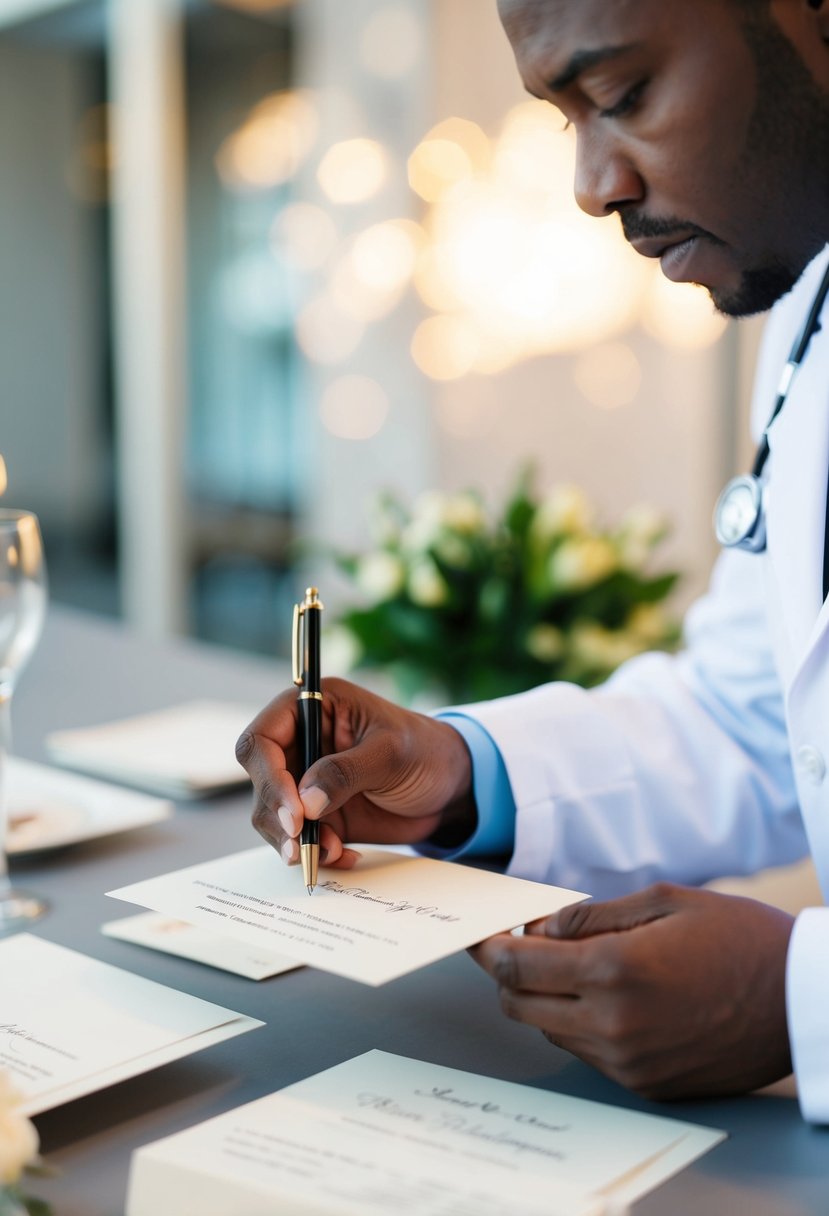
[(582, 562), (640, 529), (341, 651), (426, 586), (380, 575), (19, 1141), (649, 622), (545, 643), (383, 522), (420, 534), (429, 507), (566, 509), (600, 647), (434, 514), (643, 521), (454, 550), (463, 513)]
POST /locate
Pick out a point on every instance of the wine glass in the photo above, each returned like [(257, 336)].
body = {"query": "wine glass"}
[(22, 610)]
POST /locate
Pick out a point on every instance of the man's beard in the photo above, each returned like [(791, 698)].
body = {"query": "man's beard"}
[(759, 289)]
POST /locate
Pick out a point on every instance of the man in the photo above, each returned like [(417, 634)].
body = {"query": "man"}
[(704, 124)]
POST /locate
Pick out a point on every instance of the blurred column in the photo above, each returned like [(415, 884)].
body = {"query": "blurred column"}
[(368, 62), (146, 86)]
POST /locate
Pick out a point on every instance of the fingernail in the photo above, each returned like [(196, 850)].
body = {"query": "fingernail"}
[(289, 851), (314, 801), (287, 821)]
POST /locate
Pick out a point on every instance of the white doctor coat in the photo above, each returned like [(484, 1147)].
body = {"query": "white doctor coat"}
[(713, 761)]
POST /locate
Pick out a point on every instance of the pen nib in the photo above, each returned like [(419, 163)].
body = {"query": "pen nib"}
[(310, 890)]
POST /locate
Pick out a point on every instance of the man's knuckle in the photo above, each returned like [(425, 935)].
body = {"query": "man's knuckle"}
[(607, 968), (502, 968), (338, 773), (572, 920), (245, 747), (261, 818), (613, 1028), (268, 792), (661, 893), (510, 1003)]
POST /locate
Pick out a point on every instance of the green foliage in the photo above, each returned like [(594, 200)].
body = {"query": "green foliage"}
[(468, 606), (13, 1202)]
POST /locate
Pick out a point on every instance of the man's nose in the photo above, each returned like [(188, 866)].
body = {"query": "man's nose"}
[(606, 177)]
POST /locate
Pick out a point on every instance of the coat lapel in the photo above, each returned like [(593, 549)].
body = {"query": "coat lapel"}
[(796, 502)]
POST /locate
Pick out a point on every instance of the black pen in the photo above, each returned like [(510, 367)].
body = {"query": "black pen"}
[(306, 660)]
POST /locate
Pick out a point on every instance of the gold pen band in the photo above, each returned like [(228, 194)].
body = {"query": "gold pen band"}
[(310, 696), (309, 855)]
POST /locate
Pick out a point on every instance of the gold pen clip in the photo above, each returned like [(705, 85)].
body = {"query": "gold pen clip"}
[(296, 646), (312, 600)]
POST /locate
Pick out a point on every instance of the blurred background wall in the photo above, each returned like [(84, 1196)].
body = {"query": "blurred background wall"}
[(262, 259)]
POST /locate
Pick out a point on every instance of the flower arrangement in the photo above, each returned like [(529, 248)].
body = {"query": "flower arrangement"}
[(19, 1145), (461, 605)]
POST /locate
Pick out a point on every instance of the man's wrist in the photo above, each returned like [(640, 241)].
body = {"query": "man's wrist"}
[(458, 822), (479, 817)]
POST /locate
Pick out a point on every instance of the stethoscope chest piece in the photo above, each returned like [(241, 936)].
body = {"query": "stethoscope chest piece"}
[(739, 516)]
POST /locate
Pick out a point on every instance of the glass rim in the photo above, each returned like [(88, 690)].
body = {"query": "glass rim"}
[(9, 514)]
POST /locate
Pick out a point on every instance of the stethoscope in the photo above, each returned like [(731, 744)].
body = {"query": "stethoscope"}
[(739, 516)]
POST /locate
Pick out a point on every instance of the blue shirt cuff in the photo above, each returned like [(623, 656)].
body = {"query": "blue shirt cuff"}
[(495, 830)]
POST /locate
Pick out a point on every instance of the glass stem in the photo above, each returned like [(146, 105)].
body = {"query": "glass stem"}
[(5, 752)]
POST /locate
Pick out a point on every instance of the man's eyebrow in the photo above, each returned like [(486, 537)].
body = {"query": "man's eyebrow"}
[(582, 60)]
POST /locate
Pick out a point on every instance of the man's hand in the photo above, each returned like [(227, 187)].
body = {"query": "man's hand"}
[(672, 992), (387, 775)]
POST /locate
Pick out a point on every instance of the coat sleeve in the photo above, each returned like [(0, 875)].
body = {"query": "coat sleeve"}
[(807, 999), (678, 767)]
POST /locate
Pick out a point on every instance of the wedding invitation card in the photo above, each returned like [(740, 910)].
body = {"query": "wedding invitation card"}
[(70, 1025), (382, 1133), (388, 916)]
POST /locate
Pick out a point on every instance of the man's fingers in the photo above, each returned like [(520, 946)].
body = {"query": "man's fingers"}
[(532, 964), (332, 851), (334, 780), (588, 919), (560, 1017), (259, 753)]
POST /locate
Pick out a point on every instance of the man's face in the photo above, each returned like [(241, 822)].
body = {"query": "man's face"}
[(703, 123)]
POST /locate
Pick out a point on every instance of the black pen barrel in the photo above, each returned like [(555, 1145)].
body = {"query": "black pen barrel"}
[(310, 718)]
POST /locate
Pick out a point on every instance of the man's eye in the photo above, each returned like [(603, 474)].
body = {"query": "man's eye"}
[(627, 102)]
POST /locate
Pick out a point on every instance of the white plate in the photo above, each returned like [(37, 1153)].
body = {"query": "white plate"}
[(49, 809)]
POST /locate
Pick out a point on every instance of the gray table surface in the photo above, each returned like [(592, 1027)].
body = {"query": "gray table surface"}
[(90, 670)]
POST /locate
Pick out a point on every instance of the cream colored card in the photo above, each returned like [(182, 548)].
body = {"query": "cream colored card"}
[(383, 1133), (186, 751), (388, 916), (173, 936), (70, 1025)]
